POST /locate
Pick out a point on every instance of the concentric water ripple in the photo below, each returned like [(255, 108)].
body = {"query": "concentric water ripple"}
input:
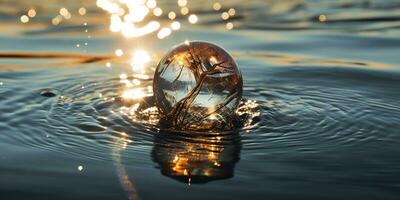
[(295, 109), (324, 113)]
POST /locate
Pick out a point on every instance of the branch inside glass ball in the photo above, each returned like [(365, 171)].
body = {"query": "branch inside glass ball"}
[(179, 116)]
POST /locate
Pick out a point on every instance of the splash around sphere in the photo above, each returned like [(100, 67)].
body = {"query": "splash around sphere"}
[(197, 87)]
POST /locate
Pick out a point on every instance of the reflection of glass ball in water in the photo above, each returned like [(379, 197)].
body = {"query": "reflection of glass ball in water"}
[(196, 159), (198, 86)]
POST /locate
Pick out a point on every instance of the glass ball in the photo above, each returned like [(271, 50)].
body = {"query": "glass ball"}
[(197, 86)]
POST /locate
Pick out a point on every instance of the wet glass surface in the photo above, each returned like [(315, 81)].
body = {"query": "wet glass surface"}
[(197, 87)]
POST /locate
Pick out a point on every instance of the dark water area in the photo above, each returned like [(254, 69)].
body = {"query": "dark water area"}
[(321, 99)]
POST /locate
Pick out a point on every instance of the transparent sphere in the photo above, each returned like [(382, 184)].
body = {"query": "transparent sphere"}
[(197, 86)]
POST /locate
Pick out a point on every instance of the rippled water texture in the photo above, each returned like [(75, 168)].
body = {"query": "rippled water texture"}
[(321, 107)]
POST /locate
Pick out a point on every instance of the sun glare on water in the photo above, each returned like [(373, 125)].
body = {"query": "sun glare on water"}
[(135, 18), (139, 59), (135, 93), (127, 20), (132, 85)]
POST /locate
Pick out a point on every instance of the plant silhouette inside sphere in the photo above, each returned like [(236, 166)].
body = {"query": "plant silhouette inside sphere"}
[(197, 86)]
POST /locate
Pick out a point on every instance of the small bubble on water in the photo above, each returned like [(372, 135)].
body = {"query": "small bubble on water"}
[(48, 93), (80, 168)]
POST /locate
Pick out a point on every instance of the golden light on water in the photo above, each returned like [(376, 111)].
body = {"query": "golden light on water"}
[(132, 88), (141, 17), (138, 14), (141, 76), (24, 19), (136, 82), (175, 25), (193, 19), (231, 11), (130, 31), (229, 25), (322, 18), (182, 3), (65, 13), (217, 6), (164, 32), (139, 58), (184, 10), (56, 20), (248, 106), (225, 15), (126, 20), (119, 144), (82, 11), (171, 15), (31, 13), (119, 52), (151, 3), (108, 64), (123, 76), (135, 93), (157, 12)]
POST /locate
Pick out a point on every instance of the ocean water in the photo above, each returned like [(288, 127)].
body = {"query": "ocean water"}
[(321, 93)]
